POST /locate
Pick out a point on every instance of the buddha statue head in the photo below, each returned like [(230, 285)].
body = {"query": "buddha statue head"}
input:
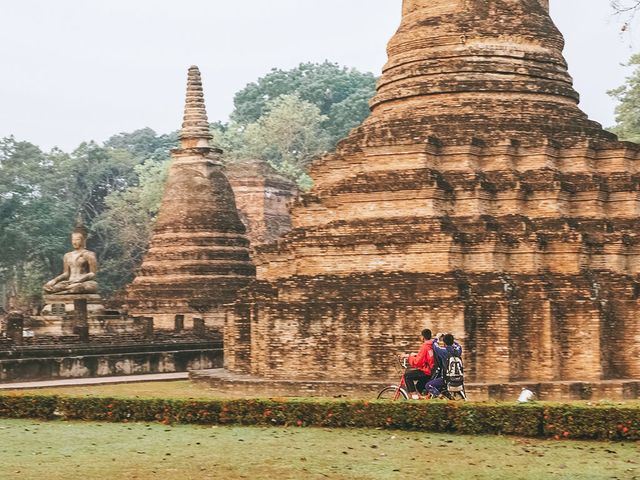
[(79, 236)]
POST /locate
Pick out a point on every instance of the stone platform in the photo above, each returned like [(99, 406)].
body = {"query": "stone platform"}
[(57, 305), (56, 358), (91, 382), (61, 325), (253, 386)]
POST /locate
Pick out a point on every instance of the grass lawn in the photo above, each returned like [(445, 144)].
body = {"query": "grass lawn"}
[(88, 451), (170, 389)]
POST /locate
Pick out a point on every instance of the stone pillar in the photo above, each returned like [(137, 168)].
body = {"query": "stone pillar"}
[(147, 327), (577, 329), (545, 4), (15, 328), (237, 338), (82, 324), (178, 324), (198, 327)]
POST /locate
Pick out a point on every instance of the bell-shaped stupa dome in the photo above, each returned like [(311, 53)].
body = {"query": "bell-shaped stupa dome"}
[(457, 67)]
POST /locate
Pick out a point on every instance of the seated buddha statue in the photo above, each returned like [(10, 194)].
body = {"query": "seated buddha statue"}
[(79, 271)]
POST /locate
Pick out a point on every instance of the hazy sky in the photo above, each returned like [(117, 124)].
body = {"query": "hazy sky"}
[(75, 70)]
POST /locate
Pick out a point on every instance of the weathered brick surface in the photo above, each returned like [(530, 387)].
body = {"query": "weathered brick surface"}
[(263, 198), (477, 198), (513, 327)]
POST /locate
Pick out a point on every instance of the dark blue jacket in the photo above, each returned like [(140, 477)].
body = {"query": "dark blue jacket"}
[(442, 356)]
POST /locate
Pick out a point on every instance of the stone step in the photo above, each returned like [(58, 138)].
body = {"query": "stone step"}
[(247, 385)]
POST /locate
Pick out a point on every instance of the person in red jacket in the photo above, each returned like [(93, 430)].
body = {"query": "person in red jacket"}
[(421, 366)]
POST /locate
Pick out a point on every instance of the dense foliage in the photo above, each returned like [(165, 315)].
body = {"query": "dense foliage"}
[(628, 110), (115, 188), (287, 118), (582, 421), (340, 94)]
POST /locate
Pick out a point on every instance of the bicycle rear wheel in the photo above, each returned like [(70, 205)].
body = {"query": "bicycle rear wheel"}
[(458, 395), (393, 393)]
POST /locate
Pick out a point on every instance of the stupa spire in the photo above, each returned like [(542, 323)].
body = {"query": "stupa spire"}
[(195, 127)]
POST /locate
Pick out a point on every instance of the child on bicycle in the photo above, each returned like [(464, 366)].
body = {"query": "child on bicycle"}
[(442, 354)]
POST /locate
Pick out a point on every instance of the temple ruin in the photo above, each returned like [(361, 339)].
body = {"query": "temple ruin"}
[(76, 337), (264, 199), (477, 198), (199, 254)]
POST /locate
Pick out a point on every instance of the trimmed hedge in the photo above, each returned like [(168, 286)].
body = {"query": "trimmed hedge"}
[(500, 418), (612, 422), (601, 422), (28, 406)]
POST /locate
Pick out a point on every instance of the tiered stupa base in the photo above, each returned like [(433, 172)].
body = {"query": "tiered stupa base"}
[(532, 264), (189, 298)]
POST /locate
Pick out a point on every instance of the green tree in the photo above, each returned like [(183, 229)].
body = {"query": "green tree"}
[(230, 138), (289, 135), (32, 206), (341, 94), (92, 172), (41, 194), (628, 109), (122, 227), (144, 144), (287, 118), (125, 226)]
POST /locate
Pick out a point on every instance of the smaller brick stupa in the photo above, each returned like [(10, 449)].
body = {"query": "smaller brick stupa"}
[(199, 254)]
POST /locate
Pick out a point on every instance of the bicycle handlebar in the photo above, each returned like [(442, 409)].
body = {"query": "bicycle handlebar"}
[(402, 361)]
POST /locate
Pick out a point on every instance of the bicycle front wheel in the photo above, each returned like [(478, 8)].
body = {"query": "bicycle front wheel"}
[(393, 393)]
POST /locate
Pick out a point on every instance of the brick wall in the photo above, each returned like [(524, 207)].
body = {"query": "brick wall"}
[(523, 328)]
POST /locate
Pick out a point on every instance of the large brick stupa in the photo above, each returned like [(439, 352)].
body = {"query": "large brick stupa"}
[(199, 254), (477, 198)]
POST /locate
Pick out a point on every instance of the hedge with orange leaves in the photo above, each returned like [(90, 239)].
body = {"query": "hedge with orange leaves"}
[(579, 421)]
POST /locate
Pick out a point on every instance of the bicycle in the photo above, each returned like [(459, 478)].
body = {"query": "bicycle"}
[(399, 391)]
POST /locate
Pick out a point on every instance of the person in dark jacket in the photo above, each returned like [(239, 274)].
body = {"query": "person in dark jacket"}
[(442, 354), (421, 366)]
